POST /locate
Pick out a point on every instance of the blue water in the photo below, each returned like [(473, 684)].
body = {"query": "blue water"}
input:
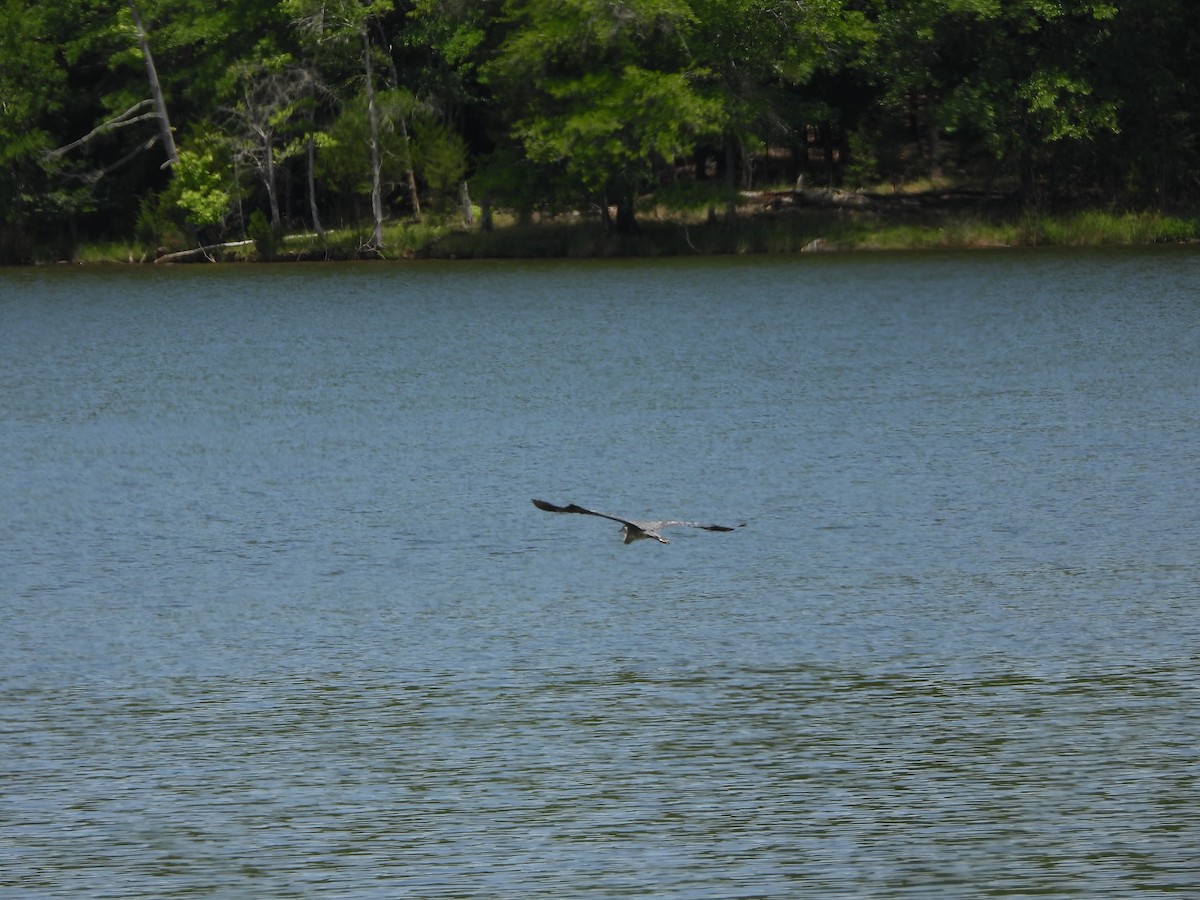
[(280, 620)]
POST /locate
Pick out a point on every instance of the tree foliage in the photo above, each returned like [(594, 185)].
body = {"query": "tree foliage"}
[(349, 110), (203, 195), (605, 92)]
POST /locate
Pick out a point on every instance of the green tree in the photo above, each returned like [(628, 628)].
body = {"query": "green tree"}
[(606, 93), (762, 55), (1020, 76), (441, 155), (345, 162), (54, 77), (32, 88), (90, 150), (444, 43), (1153, 67), (201, 187)]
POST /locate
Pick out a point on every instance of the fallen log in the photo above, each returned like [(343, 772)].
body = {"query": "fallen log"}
[(199, 254), (832, 197)]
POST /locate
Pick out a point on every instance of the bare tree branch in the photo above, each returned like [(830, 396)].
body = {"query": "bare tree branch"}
[(129, 117), (140, 148), (93, 176)]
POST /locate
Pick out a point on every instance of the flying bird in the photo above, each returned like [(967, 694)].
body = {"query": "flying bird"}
[(630, 530)]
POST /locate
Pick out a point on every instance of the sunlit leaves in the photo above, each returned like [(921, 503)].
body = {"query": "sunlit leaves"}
[(617, 124), (545, 40), (605, 91), (1018, 74), (1063, 107), (202, 194)]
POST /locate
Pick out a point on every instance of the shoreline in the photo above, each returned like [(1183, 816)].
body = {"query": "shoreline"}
[(762, 229)]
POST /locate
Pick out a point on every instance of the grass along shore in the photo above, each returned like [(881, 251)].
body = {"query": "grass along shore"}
[(758, 228)]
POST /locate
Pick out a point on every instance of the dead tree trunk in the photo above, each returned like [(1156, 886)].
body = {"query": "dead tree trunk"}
[(373, 142), (312, 185), (160, 104), (268, 174), (935, 151), (464, 197), (410, 176)]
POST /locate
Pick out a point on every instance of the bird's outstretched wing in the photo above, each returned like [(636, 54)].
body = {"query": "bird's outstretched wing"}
[(674, 522), (572, 508)]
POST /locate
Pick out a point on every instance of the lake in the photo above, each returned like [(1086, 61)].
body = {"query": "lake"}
[(279, 618)]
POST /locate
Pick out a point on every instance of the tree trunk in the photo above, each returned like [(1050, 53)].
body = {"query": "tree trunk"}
[(731, 153), (269, 177), (626, 221), (237, 186), (935, 151), (373, 141), (409, 175), (465, 198), (160, 104), (312, 186), (1027, 165), (199, 254), (830, 148)]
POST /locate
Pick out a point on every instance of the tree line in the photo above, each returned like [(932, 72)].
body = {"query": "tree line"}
[(171, 122)]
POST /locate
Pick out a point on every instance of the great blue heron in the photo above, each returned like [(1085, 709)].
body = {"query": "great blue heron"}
[(633, 531)]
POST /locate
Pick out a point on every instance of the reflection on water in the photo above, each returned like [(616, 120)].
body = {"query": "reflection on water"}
[(281, 621)]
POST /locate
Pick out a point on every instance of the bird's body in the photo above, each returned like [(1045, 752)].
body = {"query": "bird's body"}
[(631, 530)]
